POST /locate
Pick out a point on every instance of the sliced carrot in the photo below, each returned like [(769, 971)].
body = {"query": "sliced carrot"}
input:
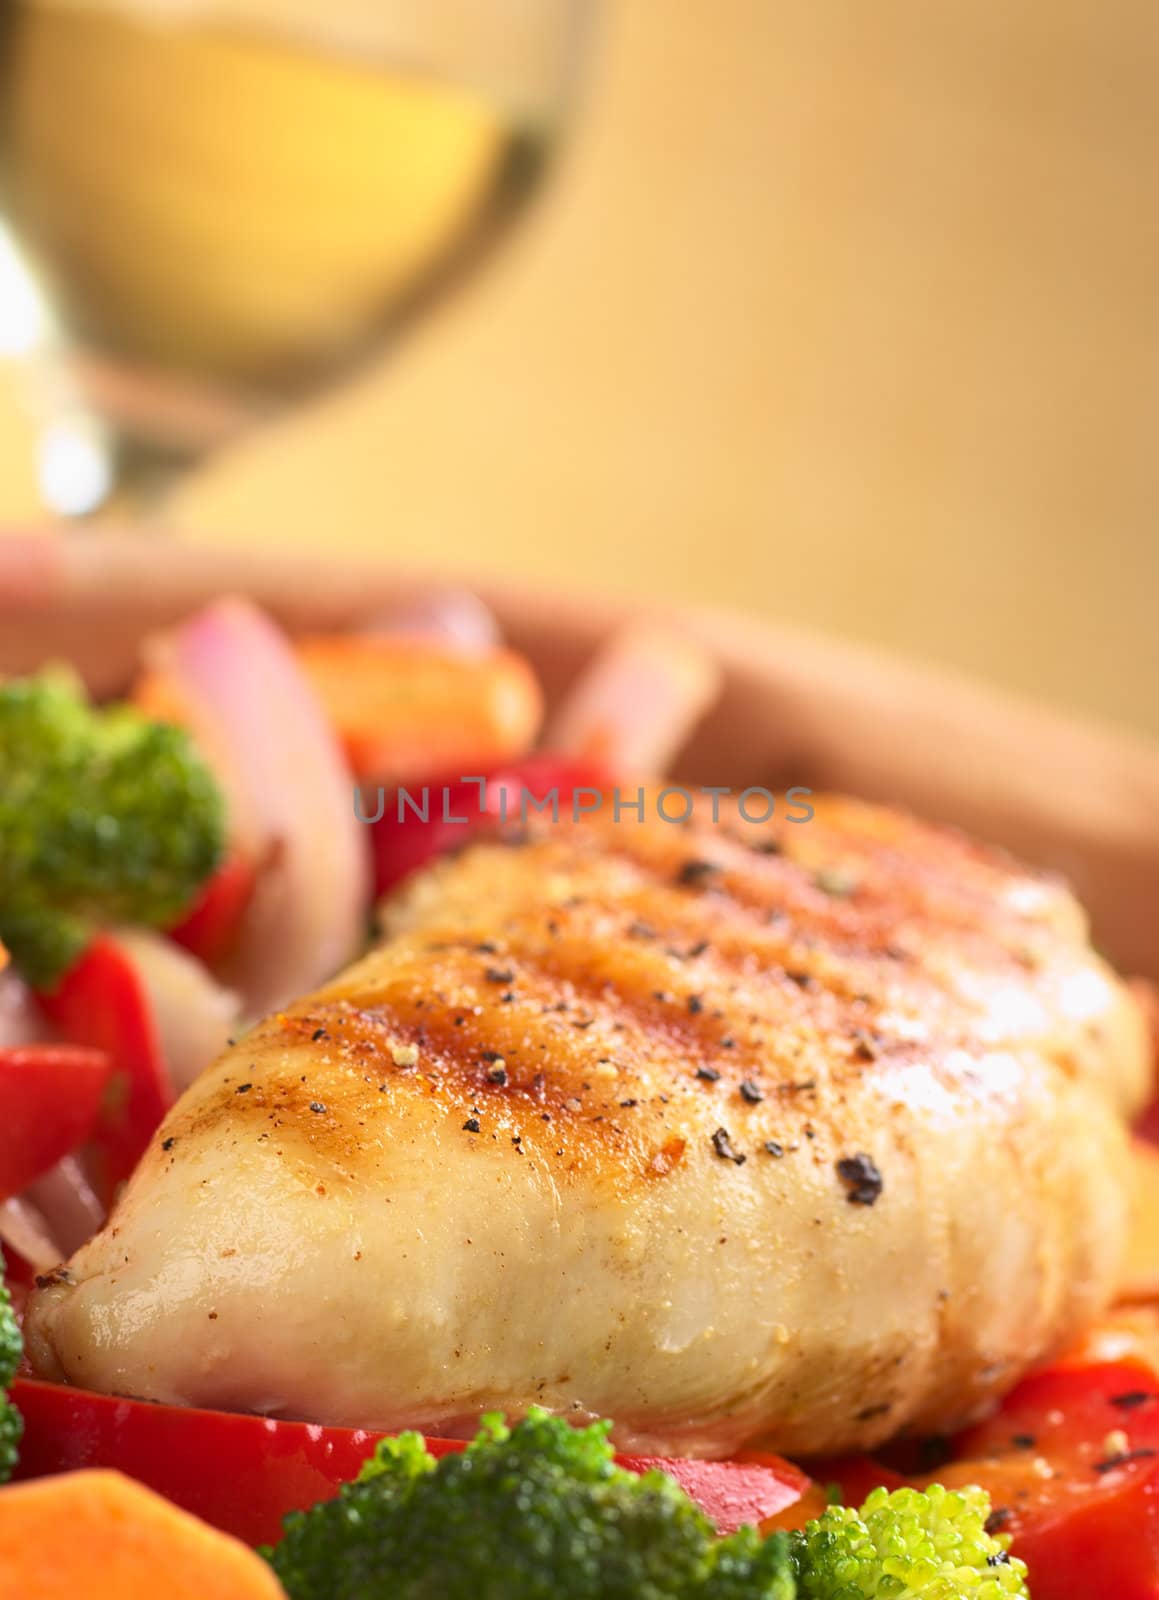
[(1140, 1278), (100, 1536), (158, 697), (1125, 1333), (407, 709)]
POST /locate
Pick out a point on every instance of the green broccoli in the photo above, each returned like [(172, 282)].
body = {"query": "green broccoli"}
[(11, 1344), (907, 1545), (11, 1350), (105, 817), (11, 1433), (539, 1511)]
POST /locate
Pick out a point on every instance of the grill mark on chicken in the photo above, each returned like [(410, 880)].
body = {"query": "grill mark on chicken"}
[(774, 899), (837, 988), (627, 1017)]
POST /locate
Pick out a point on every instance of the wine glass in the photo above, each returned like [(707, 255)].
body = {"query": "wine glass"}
[(210, 207)]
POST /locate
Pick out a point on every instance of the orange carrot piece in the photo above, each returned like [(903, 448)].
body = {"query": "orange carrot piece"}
[(408, 709), (100, 1536), (1125, 1333), (1140, 1277), (158, 697)]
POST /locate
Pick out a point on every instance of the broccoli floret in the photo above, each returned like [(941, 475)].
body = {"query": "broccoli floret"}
[(105, 817), (11, 1433), (907, 1545), (11, 1350), (11, 1344), (539, 1511)]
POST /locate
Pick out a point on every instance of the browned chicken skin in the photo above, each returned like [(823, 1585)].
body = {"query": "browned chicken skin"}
[(809, 1132)]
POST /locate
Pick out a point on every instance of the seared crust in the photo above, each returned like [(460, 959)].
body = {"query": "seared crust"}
[(804, 1131)]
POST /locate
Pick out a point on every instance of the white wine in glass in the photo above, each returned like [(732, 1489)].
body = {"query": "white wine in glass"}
[(209, 207)]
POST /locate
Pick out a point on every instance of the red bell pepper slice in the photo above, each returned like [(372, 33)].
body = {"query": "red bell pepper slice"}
[(454, 810), (18, 1278), (243, 1473), (210, 929), (1071, 1462), (240, 1473), (50, 1098), (102, 1003)]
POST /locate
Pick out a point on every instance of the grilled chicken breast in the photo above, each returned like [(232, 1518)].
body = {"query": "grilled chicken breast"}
[(806, 1132)]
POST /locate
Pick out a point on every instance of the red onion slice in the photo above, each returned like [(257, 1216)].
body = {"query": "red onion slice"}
[(194, 1015), (637, 702), (21, 1020), (68, 1204), (290, 795), (24, 1230)]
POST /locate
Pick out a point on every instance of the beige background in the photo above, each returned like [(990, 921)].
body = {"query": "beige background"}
[(840, 312)]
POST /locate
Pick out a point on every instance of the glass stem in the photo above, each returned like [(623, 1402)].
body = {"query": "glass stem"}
[(88, 471)]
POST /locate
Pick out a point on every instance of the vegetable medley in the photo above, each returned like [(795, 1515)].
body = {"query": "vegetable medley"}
[(160, 863)]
